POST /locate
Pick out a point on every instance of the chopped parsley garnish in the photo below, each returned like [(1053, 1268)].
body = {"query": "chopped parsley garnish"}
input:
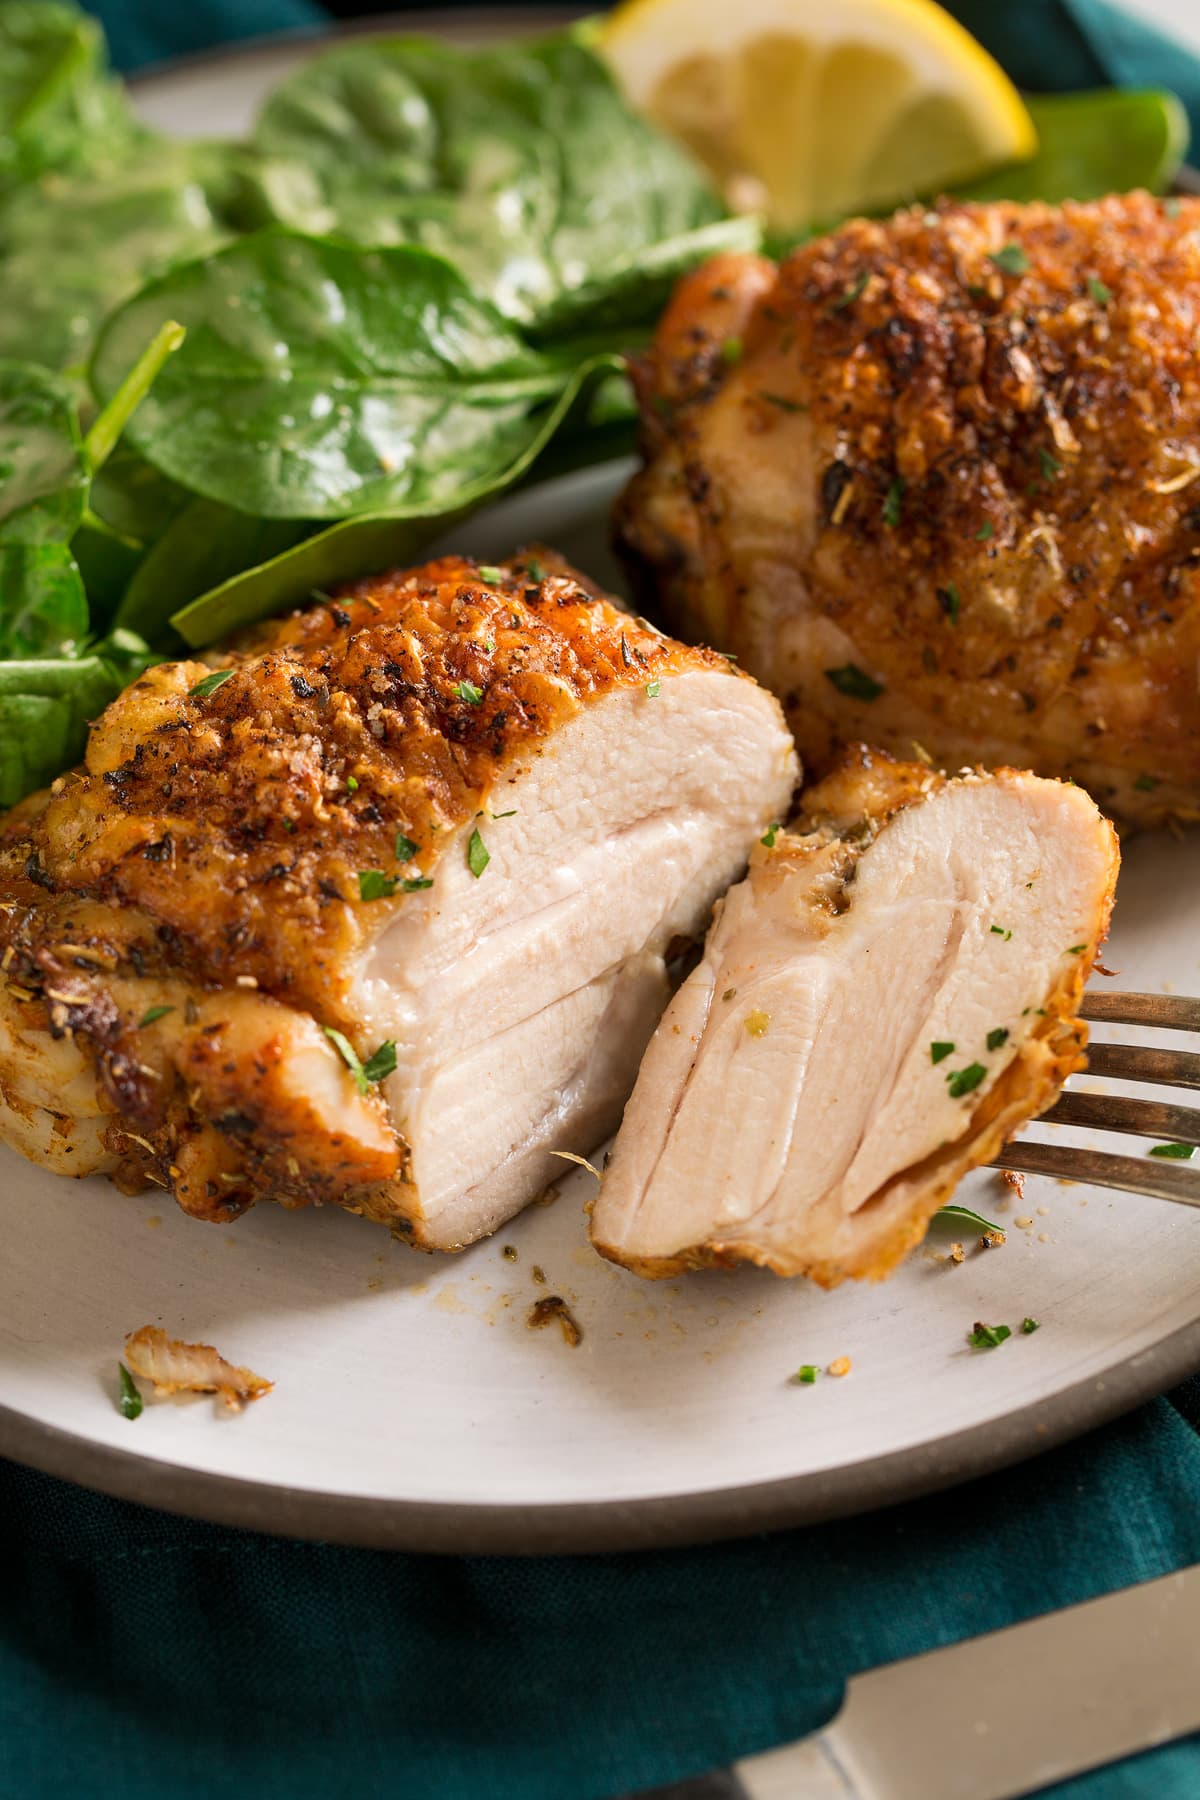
[(965, 1081), (962, 1215), (511, 814), (731, 350), (289, 825), (1011, 258), (1076, 949), (892, 502), (131, 1400), (373, 884), (534, 569), (405, 848), (1049, 465), (478, 855), (652, 689), (769, 835), (489, 572), (352, 784), (986, 1337), (208, 684), (1146, 784), (152, 1013), (806, 1374), (999, 931), (1174, 1152), (1099, 291), (950, 602), (379, 1064), (850, 294), (414, 882), (1029, 1326), (783, 403), (986, 531), (938, 1051), (854, 682), (466, 690), (997, 1037)]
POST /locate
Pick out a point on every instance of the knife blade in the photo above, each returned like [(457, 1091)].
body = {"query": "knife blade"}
[(996, 1716)]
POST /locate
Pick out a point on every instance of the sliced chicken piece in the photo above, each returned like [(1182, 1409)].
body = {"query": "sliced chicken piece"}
[(889, 994), (458, 818)]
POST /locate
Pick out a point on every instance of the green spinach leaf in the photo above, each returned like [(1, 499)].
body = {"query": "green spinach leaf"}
[(358, 546), (1104, 142), (43, 465), (57, 99), (43, 607), (46, 705), (319, 380), (520, 162)]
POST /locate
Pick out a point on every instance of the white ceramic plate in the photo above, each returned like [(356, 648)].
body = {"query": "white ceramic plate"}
[(414, 1408)]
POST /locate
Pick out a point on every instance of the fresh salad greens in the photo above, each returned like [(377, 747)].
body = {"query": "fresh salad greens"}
[(241, 372)]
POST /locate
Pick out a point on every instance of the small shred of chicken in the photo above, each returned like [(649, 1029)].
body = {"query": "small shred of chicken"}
[(179, 1368), (889, 994)]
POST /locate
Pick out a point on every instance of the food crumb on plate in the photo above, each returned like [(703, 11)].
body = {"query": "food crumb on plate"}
[(841, 1365)]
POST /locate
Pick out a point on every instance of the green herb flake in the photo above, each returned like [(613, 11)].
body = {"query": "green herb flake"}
[(782, 402), (1100, 293), (965, 1081), (892, 503), (131, 1400), (152, 1013), (652, 689), (1029, 1326), (1049, 465), (769, 835), (1011, 259), (510, 814), (731, 350), (478, 856), (987, 1337), (1000, 931), (352, 784), (466, 690), (1146, 784), (854, 682), (414, 883), (289, 825), (208, 684), (806, 1374), (1076, 949), (950, 601), (405, 848), (373, 884), (997, 1037), (853, 292), (963, 1215), (986, 530), (1174, 1152), (490, 573), (938, 1051), (382, 1062), (534, 569)]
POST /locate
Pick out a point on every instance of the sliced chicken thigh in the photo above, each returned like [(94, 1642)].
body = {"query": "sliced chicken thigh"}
[(380, 911), (884, 999)]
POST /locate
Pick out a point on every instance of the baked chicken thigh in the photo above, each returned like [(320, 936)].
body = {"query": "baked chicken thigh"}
[(378, 910), (938, 479), (885, 999)]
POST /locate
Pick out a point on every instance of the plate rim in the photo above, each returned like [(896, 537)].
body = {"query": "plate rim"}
[(595, 1527)]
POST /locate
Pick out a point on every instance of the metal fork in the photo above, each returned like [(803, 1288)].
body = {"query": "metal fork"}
[(1158, 1119)]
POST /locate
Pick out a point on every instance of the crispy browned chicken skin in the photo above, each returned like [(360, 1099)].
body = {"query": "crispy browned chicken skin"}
[(938, 478), (462, 813)]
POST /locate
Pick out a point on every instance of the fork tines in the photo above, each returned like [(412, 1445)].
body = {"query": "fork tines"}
[(1164, 1178)]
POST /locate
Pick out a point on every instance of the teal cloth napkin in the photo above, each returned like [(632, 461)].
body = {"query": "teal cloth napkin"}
[(144, 1657)]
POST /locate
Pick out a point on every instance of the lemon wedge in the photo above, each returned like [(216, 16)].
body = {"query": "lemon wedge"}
[(812, 109)]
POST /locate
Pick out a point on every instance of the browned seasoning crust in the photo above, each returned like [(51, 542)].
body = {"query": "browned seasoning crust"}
[(203, 866), (960, 449)]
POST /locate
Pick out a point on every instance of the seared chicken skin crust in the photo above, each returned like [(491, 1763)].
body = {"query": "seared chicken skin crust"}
[(938, 478), (889, 995), (463, 817)]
